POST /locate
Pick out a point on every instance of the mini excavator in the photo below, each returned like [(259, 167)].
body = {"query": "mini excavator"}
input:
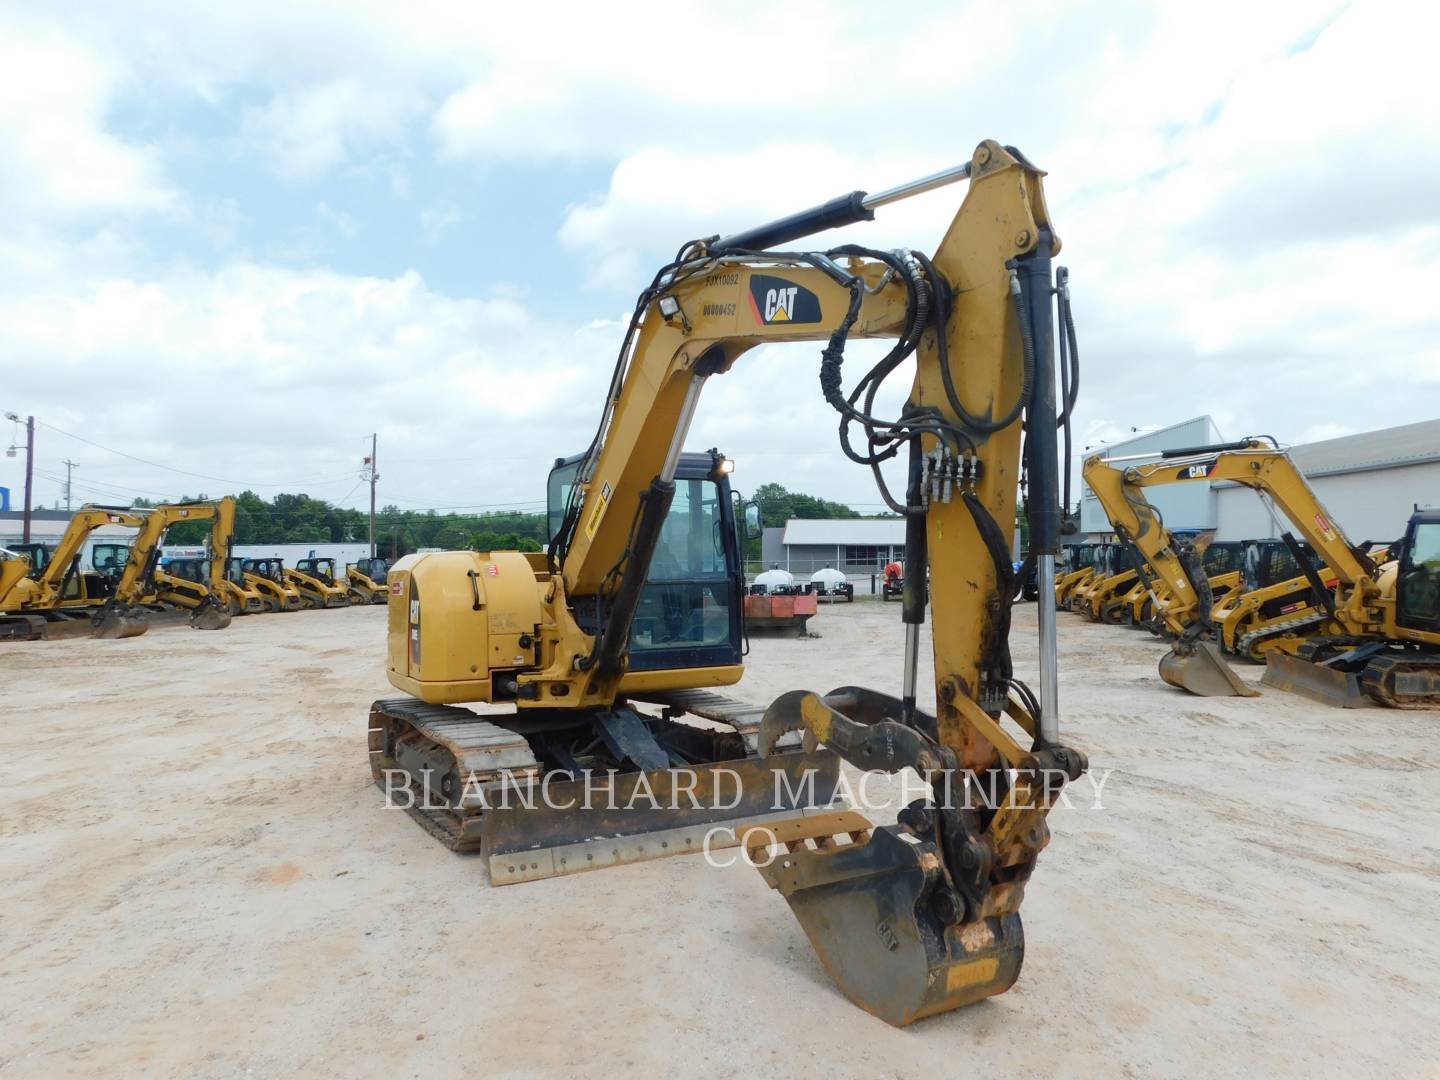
[(136, 604), (47, 594), (910, 919), (1372, 635)]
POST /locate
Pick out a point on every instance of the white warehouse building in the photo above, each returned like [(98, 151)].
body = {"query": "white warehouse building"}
[(1369, 483), (1183, 507)]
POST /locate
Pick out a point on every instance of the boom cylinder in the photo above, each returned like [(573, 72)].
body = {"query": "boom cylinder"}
[(1043, 470), (913, 595)]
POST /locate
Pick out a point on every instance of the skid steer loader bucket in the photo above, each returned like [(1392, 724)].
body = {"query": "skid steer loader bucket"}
[(116, 622), (1198, 667), (1328, 685), (860, 897)]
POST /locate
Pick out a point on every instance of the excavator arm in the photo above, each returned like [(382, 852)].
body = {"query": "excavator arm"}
[(1272, 474), (935, 924), (44, 590), (124, 615), (1138, 524)]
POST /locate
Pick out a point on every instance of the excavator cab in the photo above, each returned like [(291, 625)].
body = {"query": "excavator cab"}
[(1417, 592), (689, 614), (110, 559), (38, 554)]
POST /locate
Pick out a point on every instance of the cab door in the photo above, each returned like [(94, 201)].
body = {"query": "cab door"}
[(1417, 589)]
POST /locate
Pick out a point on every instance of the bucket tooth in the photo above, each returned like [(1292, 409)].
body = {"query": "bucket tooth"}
[(1198, 667), (862, 899)]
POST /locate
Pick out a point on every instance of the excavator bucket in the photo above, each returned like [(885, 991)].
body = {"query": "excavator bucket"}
[(1317, 682), (860, 897), (211, 617), (116, 623), (1198, 667)]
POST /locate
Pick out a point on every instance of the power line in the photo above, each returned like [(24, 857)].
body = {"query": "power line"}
[(171, 468)]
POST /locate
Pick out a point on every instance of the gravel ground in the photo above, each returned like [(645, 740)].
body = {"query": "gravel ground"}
[(200, 880)]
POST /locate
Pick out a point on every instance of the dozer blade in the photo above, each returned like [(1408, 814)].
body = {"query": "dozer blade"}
[(635, 817), (1314, 681), (860, 897), (475, 784), (1199, 668), (119, 623)]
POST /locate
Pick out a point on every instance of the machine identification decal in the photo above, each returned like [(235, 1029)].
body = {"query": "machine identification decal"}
[(593, 522), (1197, 472), (775, 300)]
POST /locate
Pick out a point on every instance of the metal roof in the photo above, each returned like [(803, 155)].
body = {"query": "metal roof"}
[(1388, 448), (844, 531)]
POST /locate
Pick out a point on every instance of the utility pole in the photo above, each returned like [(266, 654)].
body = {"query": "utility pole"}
[(70, 466), (29, 467), (370, 474)]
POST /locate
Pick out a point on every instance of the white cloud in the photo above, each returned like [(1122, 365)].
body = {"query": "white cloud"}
[(296, 366), (1249, 215), (308, 131), (57, 163)]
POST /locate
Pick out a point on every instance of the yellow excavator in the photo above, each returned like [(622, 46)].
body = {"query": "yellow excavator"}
[(1175, 576), (48, 594), (318, 583), (911, 919), (1377, 633), (271, 580), (367, 581), (146, 596)]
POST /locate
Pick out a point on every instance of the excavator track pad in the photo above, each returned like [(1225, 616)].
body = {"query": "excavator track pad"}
[(545, 793)]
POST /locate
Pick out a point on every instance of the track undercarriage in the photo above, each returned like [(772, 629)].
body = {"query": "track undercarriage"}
[(543, 793)]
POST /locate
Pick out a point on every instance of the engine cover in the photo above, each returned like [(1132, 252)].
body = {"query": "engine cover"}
[(462, 624)]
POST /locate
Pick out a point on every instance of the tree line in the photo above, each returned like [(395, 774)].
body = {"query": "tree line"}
[(301, 519)]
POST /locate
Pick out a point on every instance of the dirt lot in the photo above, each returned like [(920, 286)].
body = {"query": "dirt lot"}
[(200, 880)]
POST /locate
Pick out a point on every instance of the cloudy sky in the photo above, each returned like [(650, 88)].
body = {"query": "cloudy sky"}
[(237, 239)]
